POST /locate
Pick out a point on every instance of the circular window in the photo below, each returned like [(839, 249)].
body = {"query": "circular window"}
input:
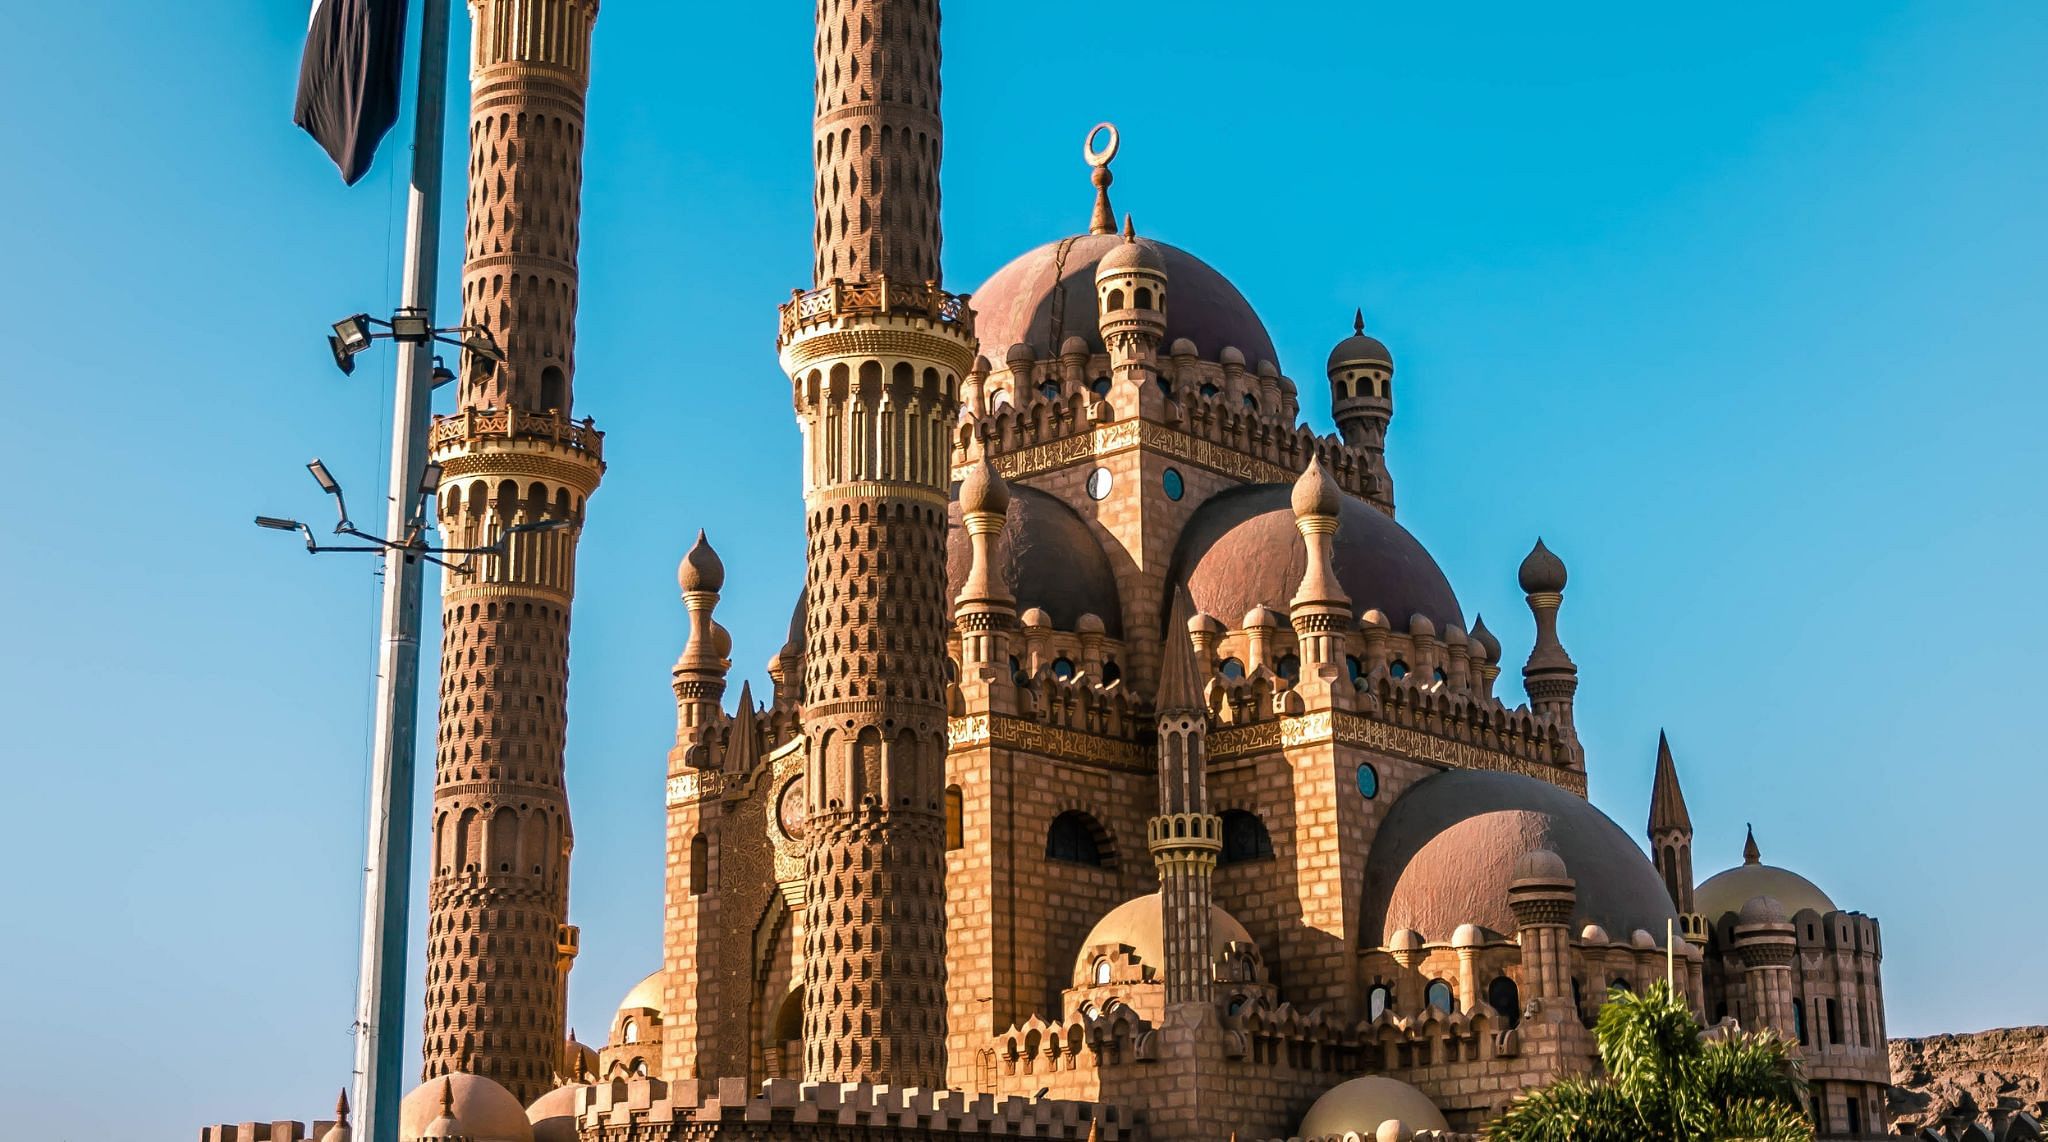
[(1368, 781), (790, 810), (1098, 484), (1176, 487)]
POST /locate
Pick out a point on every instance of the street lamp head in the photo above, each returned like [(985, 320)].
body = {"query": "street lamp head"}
[(411, 327), (276, 524), (430, 478), (324, 478), (343, 359), (352, 334), (442, 373), (481, 343)]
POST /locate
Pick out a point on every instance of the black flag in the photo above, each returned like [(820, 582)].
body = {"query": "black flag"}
[(348, 78)]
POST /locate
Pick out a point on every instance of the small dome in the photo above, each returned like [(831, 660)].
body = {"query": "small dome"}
[(701, 569), (1139, 923), (1019, 354), (1406, 940), (1454, 843), (1089, 624), (1594, 934), (1419, 626), (1468, 936), (1642, 939), (1726, 892), (1485, 639), (1048, 559), (1542, 571), (1374, 617), (1315, 491), (1133, 253), (1016, 303), (1035, 617), (1205, 624), (1074, 347), (981, 365), (553, 1114), (983, 489), (1181, 347), (1761, 910), (1231, 355), (1263, 616), (646, 993), (486, 1111), (1358, 349), (1241, 549), (1361, 1105)]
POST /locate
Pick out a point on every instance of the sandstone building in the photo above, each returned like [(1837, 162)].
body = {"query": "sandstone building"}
[(1129, 771)]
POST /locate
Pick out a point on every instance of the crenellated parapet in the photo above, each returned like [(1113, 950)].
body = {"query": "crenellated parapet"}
[(649, 1110)]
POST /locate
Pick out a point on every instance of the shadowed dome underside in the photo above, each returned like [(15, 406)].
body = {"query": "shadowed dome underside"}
[(1241, 550), (1016, 303), (1052, 561), (1449, 847)]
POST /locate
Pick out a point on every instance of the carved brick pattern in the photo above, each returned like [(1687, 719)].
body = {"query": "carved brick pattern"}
[(498, 892), (529, 71), (876, 140)]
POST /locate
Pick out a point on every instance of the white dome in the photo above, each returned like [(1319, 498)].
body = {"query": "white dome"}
[(1360, 1105), (1138, 923)]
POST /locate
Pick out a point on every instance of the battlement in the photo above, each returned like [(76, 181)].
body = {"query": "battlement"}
[(265, 1132), (645, 1110), (837, 300), (471, 427)]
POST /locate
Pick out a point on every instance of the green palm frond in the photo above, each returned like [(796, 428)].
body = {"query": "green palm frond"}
[(1571, 1109)]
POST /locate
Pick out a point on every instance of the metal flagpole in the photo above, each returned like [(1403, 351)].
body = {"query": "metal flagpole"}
[(387, 872)]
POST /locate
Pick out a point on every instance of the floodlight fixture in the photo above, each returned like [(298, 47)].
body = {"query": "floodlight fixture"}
[(323, 477), (276, 524), (430, 478), (352, 334), (343, 359), (411, 327)]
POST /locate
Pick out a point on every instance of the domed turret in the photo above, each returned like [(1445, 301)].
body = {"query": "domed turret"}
[(701, 569), (1130, 295), (1361, 375)]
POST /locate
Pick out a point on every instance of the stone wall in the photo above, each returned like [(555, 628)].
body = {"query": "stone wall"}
[(1980, 1076)]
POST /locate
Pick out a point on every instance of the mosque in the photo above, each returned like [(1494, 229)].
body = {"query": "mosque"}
[(1129, 771)]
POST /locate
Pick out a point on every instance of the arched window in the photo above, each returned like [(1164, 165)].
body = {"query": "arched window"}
[(1503, 996), (1209, 389), (1111, 672), (1050, 390), (700, 864), (554, 389), (1244, 837), (1063, 668), (955, 823), (1377, 1000), (1619, 984), (1074, 839), (639, 1068), (1144, 298), (1232, 669), (1354, 668), (1289, 667), (1103, 970), (630, 1033), (1398, 668), (1441, 997), (1099, 386), (1116, 299)]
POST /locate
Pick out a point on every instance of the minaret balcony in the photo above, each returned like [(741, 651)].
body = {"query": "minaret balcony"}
[(831, 304)]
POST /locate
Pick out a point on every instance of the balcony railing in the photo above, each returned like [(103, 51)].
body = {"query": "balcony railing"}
[(880, 297), (471, 424)]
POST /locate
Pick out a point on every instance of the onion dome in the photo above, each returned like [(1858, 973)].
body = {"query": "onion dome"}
[(1241, 549), (1362, 1105), (1315, 491), (1484, 639), (1730, 891), (983, 489), (1140, 924), (701, 569), (1541, 572), (1358, 349), (1017, 302), (981, 365), (1019, 354), (553, 1114), (1453, 845), (463, 1106)]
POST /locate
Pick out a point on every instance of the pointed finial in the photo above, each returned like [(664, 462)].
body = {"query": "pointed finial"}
[(1094, 1130), (447, 1098), (1180, 678), (1750, 853), (341, 1107), (1485, 638), (1130, 229), (1358, 322), (743, 740), (1103, 221), (1315, 490), (1667, 800)]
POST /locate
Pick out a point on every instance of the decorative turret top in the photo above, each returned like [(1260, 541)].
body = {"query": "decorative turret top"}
[(1131, 255), (1485, 639), (1750, 853), (701, 569), (1359, 349), (1103, 221), (1316, 492), (983, 490), (1667, 801), (1542, 571)]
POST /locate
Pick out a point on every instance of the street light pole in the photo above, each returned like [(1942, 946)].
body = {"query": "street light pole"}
[(387, 866)]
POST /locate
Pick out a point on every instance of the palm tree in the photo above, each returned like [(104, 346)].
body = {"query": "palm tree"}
[(1665, 1084)]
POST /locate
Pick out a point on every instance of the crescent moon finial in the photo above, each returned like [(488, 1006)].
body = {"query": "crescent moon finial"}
[(1100, 158)]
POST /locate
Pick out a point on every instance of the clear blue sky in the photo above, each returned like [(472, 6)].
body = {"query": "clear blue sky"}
[(1737, 305)]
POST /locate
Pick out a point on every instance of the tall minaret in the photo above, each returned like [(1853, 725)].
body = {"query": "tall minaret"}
[(1185, 838), (497, 937), (875, 354)]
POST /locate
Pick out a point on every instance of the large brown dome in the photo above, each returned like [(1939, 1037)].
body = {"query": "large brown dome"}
[(1449, 848), (1055, 562), (1240, 550), (1015, 304)]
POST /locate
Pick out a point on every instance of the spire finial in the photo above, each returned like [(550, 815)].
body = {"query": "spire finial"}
[(1750, 853), (1358, 322), (1130, 231), (1667, 800), (1180, 677), (1103, 221), (341, 1107), (447, 1098)]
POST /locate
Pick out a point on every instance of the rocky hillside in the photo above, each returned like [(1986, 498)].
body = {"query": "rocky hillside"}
[(1945, 1078)]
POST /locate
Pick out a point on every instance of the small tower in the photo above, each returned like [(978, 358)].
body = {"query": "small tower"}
[(1130, 296), (1671, 828), (1765, 941), (498, 893), (699, 675), (1185, 838), (1361, 375), (986, 611), (1320, 610), (1543, 895), (1550, 676)]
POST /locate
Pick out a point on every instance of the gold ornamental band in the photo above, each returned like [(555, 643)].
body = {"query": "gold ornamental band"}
[(876, 490), (1051, 741), (1110, 439), (944, 348), (1394, 741), (582, 474)]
